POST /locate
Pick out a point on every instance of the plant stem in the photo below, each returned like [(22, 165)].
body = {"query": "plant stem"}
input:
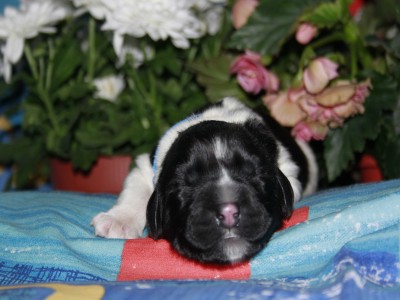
[(44, 96), (49, 71), (41, 71), (91, 50), (353, 60), (153, 102), (337, 36), (41, 89), (31, 61)]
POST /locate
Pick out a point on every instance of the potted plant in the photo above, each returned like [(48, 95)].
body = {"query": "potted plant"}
[(98, 85), (108, 77)]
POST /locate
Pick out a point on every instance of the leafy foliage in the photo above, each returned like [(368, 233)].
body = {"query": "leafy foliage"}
[(342, 143), (271, 25), (63, 117), (214, 75)]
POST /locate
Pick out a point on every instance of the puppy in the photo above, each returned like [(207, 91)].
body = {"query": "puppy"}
[(219, 184)]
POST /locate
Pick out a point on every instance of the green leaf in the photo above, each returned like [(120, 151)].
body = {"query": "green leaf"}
[(26, 153), (351, 33), (271, 25), (68, 57), (324, 16), (342, 143), (172, 89), (175, 114), (98, 137), (166, 59), (388, 153), (58, 142), (83, 158), (34, 117), (73, 90), (214, 75), (216, 68), (395, 46), (344, 7), (397, 13)]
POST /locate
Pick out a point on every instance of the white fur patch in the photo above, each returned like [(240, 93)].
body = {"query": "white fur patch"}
[(127, 218), (234, 249), (220, 148), (312, 183), (225, 178), (290, 170)]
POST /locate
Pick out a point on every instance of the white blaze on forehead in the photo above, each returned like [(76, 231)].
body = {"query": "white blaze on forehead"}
[(225, 179), (220, 148), (220, 151)]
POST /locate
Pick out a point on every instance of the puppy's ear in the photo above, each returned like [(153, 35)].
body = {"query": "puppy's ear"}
[(287, 193), (154, 214)]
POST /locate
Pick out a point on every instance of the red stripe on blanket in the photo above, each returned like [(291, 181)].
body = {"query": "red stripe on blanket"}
[(299, 215), (148, 259)]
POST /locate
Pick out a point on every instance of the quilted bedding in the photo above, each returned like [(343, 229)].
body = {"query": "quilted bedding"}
[(339, 243)]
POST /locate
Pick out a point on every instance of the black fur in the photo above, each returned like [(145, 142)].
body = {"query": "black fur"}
[(184, 205), (283, 135)]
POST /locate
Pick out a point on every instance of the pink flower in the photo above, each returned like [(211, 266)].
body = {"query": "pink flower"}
[(251, 74), (318, 74), (336, 103), (307, 131), (305, 33), (362, 91), (285, 108), (355, 104), (242, 10)]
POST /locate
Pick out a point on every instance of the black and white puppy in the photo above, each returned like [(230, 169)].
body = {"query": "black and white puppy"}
[(221, 183)]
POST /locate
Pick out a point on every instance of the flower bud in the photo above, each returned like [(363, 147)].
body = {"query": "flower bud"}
[(251, 74), (242, 10), (305, 33), (318, 74), (109, 87)]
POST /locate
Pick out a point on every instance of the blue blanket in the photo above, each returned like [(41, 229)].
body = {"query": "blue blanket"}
[(346, 246)]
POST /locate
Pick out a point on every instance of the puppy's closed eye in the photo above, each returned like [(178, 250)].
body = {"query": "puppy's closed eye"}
[(194, 173), (245, 165)]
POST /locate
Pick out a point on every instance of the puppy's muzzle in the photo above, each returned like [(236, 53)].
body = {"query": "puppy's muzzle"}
[(228, 215)]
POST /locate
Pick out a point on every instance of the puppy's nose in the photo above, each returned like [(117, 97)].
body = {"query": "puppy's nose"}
[(228, 215)]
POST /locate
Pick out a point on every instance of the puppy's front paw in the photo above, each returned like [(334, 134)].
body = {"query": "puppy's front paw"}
[(115, 227)]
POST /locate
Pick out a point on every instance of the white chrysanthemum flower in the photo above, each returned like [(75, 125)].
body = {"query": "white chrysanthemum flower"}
[(33, 17), (109, 87), (159, 19), (95, 7)]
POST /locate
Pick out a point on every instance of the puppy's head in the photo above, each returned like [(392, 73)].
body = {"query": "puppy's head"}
[(220, 195)]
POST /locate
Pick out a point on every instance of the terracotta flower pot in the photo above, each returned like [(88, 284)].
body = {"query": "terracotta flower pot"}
[(369, 169), (106, 176)]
